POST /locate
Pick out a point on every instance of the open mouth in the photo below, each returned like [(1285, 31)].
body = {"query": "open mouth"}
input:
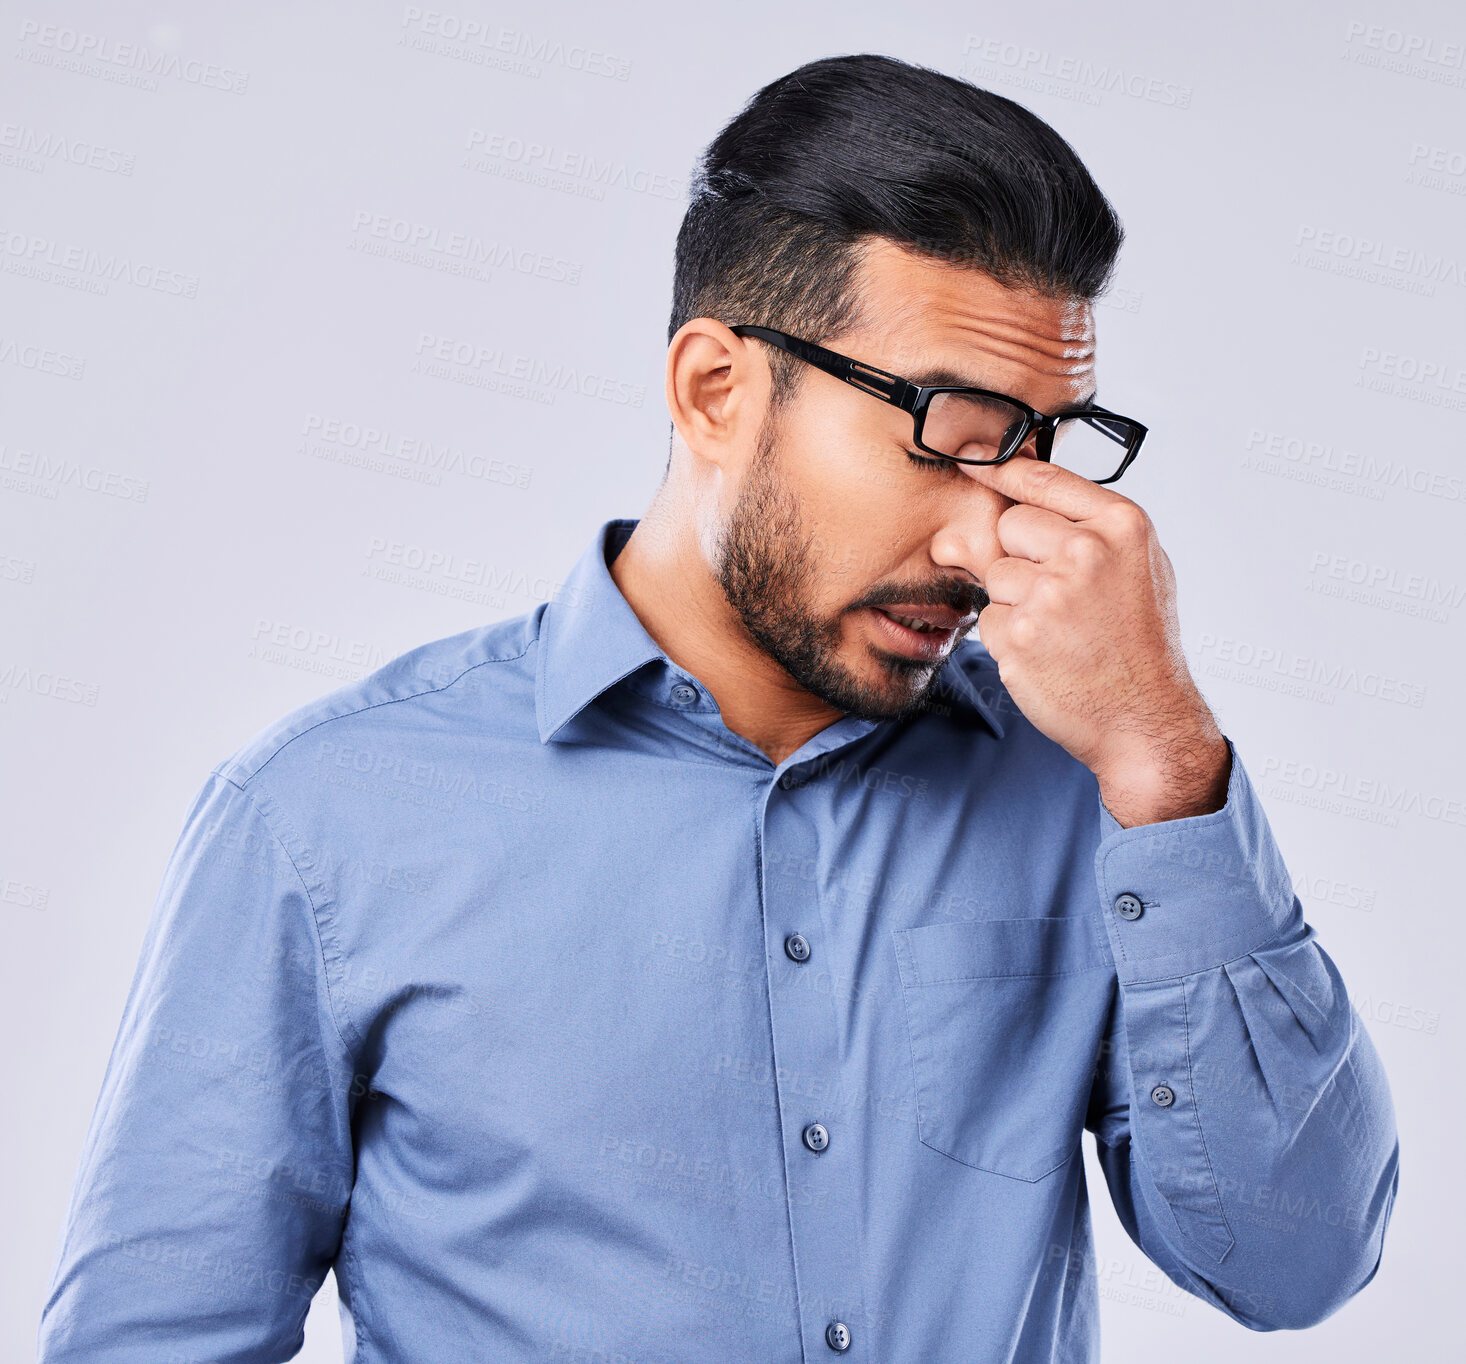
[(911, 623), (912, 636)]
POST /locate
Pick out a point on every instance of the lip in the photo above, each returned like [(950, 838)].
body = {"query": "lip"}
[(942, 616), (931, 645)]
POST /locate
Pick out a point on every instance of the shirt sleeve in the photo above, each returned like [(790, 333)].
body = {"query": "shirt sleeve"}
[(1243, 1119), (214, 1178)]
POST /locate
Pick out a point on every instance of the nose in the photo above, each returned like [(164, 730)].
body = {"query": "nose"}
[(967, 541)]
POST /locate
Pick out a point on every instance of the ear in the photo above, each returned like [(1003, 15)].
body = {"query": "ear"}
[(717, 391)]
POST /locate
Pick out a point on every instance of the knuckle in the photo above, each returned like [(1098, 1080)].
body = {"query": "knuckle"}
[(1087, 549), (1047, 591), (1022, 632), (1131, 519)]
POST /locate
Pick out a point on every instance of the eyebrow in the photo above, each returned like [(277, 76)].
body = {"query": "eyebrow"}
[(941, 377)]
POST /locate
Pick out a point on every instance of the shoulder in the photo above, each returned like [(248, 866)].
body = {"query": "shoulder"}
[(443, 675)]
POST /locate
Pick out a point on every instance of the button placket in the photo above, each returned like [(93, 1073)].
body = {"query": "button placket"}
[(1165, 1114), (823, 1171)]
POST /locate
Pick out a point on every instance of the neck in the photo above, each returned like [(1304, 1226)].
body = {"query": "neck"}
[(664, 573)]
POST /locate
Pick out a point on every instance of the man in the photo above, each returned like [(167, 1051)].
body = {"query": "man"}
[(708, 964)]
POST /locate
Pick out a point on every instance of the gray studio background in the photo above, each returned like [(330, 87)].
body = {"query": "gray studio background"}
[(346, 330)]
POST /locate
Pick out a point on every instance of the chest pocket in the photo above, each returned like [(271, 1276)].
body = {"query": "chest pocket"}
[(1005, 1018)]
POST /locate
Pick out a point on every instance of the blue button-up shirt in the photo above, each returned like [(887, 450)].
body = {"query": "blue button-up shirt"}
[(513, 986)]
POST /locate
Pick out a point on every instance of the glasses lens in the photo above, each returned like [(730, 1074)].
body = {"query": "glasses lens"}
[(1093, 447), (988, 425)]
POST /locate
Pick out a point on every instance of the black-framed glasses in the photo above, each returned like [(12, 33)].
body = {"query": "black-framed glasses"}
[(1091, 441)]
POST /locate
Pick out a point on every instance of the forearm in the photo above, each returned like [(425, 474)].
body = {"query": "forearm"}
[(1270, 1175), (1248, 1121)]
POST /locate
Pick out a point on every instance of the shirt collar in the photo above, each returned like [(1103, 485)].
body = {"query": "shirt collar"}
[(590, 639)]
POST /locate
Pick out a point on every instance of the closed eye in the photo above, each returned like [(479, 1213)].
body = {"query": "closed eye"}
[(945, 466)]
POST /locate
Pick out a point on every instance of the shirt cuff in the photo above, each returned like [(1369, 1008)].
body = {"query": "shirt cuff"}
[(1210, 887)]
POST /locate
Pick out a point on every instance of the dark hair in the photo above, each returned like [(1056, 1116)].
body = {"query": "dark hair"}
[(848, 147)]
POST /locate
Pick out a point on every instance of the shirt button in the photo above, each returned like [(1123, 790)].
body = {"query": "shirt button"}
[(797, 947), (815, 1137), (790, 780), (837, 1336), (1163, 1095), (1129, 907), (683, 694)]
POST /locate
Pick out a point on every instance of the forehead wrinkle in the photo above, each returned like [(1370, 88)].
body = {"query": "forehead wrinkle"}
[(1000, 333), (921, 323), (1072, 364)]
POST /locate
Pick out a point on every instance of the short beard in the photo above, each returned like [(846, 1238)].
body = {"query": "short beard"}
[(767, 566)]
